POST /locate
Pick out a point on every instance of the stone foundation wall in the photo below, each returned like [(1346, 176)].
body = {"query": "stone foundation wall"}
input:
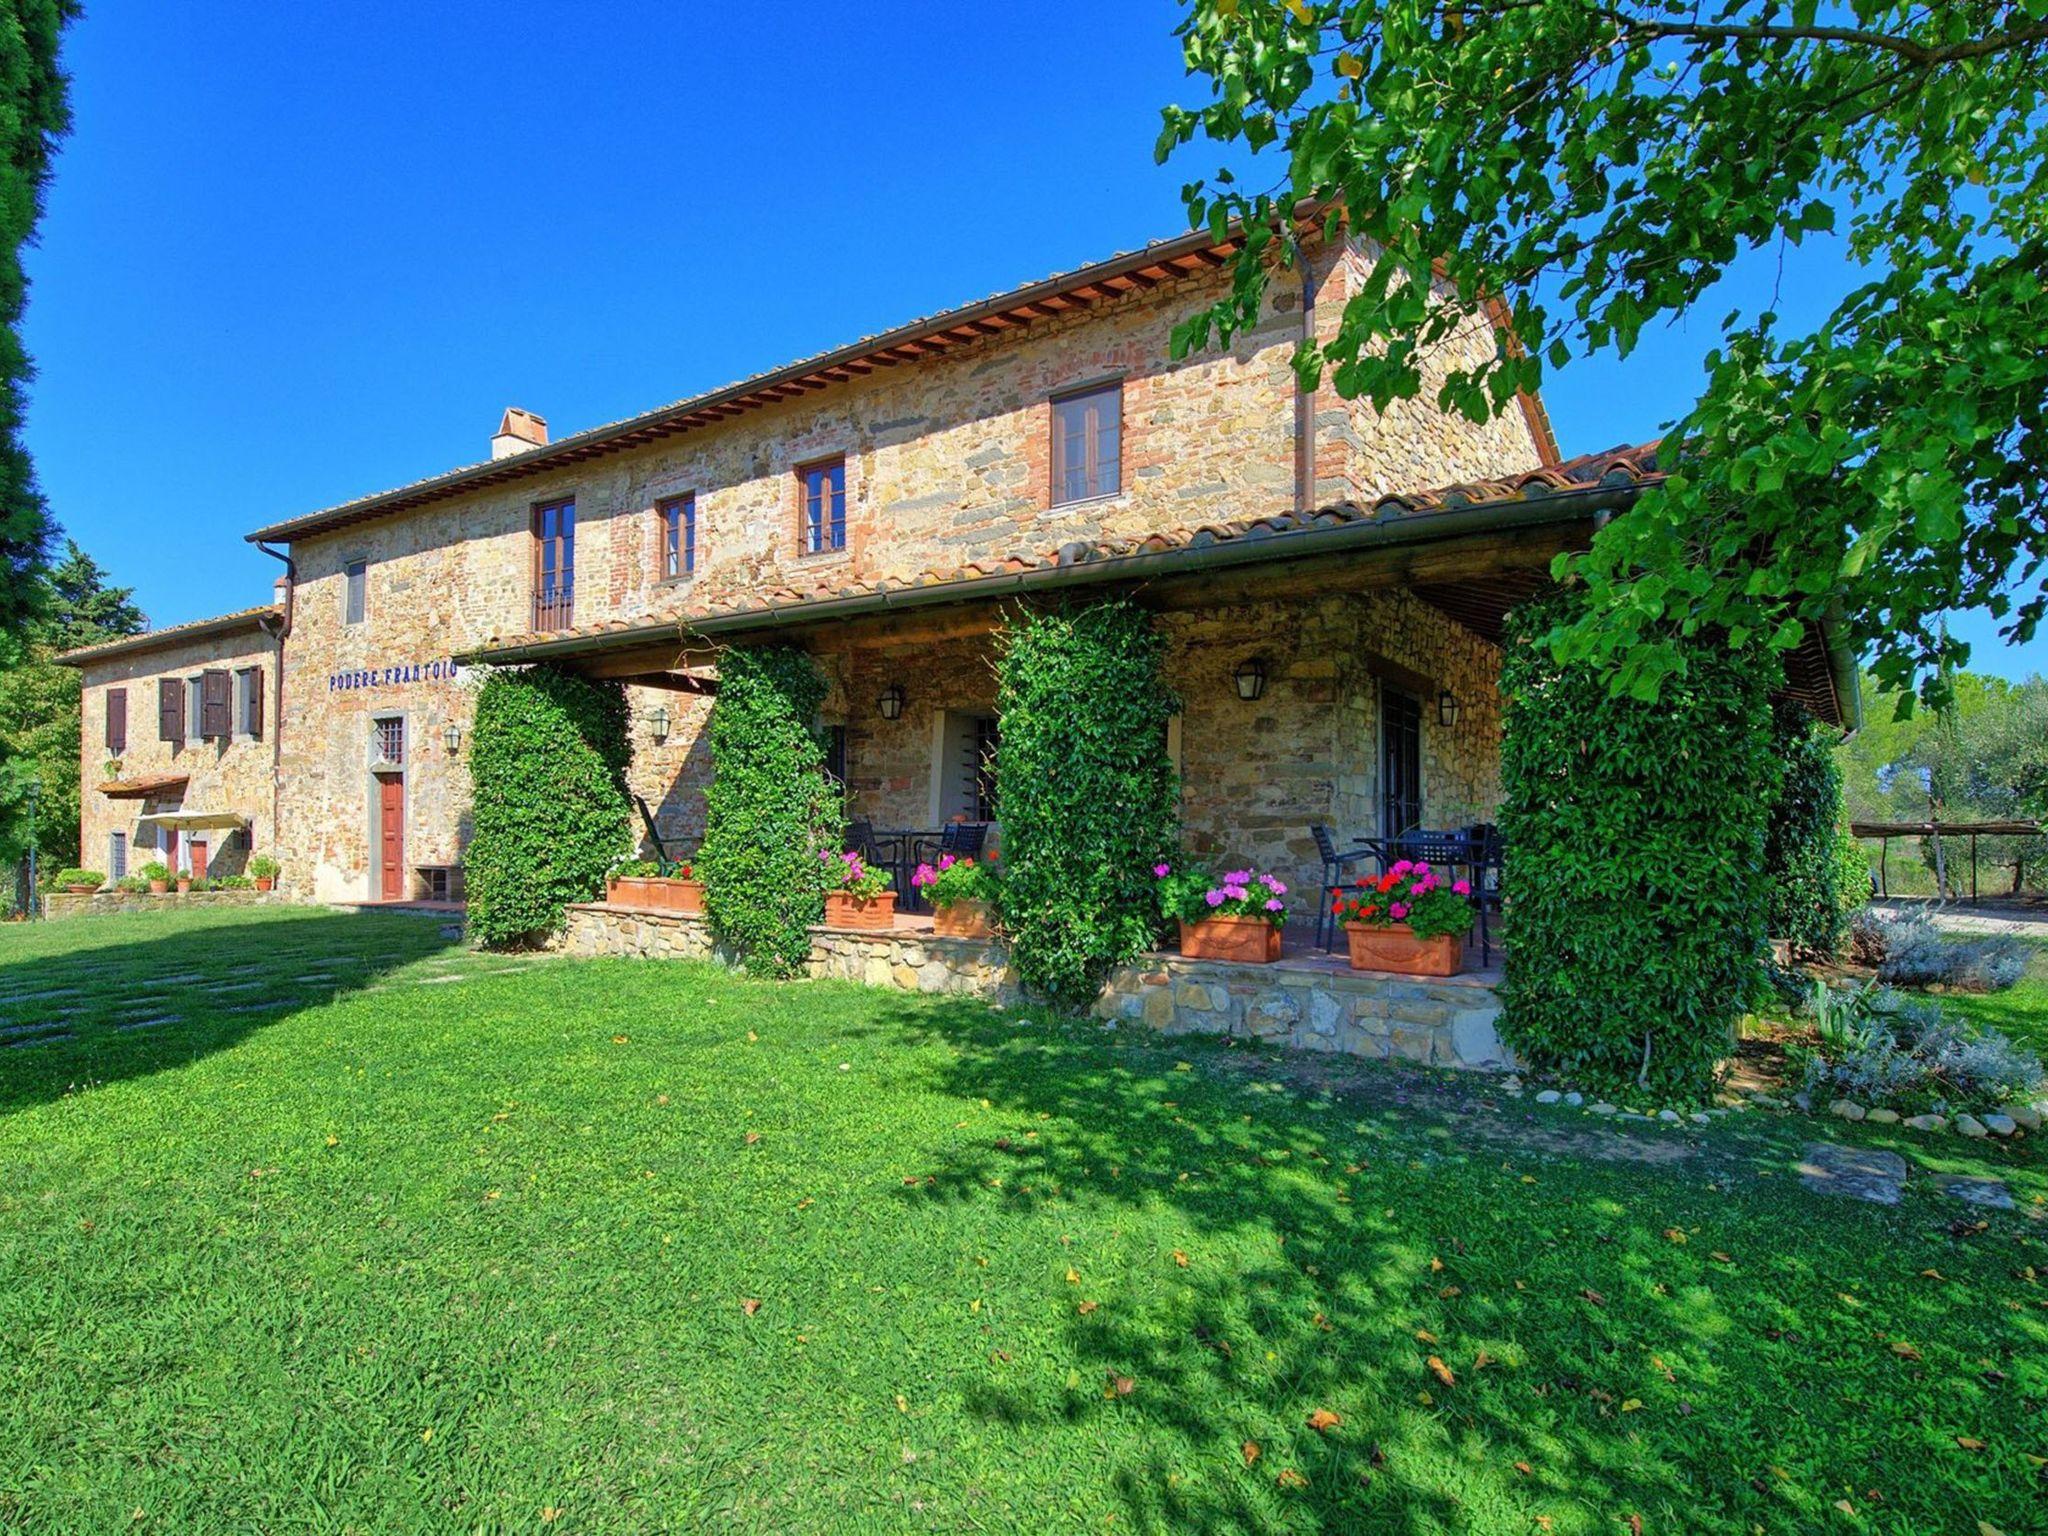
[(1446, 1023), (1452, 1022), (63, 904)]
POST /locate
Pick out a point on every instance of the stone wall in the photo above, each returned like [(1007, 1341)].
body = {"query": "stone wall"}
[(1453, 1022), (1447, 1023), (58, 905), (231, 775)]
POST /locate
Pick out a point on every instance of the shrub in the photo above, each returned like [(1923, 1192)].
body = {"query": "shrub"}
[(771, 809), (90, 877), (133, 885), (1882, 1051), (1414, 894), (547, 768), (263, 867), (1909, 951), (1801, 850), (1634, 835), (1087, 791), (1188, 893), (233, 883), (956, 879), (156, 869)]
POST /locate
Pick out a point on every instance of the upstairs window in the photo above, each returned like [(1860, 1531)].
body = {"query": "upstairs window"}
[(1087, 443), (554, 565), (678, 516), (356, 583), (824, 496), (390, 741), (216, 705), (249, 701), (117, 721), (170, 710)]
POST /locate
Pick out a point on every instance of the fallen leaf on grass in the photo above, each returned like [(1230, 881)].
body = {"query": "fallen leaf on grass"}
[(1905, 1351), (1073, 1277), (1632, 1405), (620, 1039), (1086, 1307), (1525, 1469), (550, 1513), (902, 1403), (1441, 1371), (1324, 1420), (1289, 1478), (1119, 1386), (1721, 1258), (751, 1305), (752, 1137), (1594, 1297), (1436, 1266), (1672, 1234), (1482, 1360), (1969, 1442), (1425, 1335), (1180, 1258), (1251, 1451)]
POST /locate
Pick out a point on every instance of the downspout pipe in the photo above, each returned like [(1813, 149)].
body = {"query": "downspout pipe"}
[(1304, 399), (284, 629)]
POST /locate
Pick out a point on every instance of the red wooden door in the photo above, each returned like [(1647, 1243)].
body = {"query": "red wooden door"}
[(198, 856), (391, 837)]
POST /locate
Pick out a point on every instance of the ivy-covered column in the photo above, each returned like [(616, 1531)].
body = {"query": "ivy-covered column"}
[(1636, 882), (1088, 797), (547, 769), (771, 808)]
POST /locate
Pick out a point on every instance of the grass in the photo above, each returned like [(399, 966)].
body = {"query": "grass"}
[(425, 1241), (2021, 1011)]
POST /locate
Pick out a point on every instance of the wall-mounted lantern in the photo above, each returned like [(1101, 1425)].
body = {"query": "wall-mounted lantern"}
[(657, 722), (1251, 678), (1447, 708), (891, 702), (451, 738)]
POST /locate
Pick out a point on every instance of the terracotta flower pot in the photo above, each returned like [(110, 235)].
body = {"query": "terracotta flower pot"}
[(81, 890), (627, 891), (265, 882), (184, 885), (963, 920), (158, 887), (870, 913), (1394, 947), (1247, 940), (675, 895)]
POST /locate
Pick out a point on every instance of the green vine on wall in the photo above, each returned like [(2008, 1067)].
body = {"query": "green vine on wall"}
[(1814, 889), (1089, 798), (771, 808), (547, 769), (1636, 886)]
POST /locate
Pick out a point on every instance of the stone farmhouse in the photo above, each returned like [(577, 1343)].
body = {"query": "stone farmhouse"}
[(1332, 579)]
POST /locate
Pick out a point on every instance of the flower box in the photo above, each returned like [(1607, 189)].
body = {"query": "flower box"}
[(1394, 947), (1246, 940), (963, 920), (870, 913)]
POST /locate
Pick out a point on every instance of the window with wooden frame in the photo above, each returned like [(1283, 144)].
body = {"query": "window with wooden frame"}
[(1087, 443), (676, 516), (249, 701), (554, 565), (823, 493), (117, 720), (355, 603), (216, 705)]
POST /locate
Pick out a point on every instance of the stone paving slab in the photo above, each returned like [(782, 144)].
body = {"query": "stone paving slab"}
[(1990, 1193), (1861, 1173)]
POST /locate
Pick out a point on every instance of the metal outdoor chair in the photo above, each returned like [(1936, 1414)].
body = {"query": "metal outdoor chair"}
[(1334, 860), (1472, 850)]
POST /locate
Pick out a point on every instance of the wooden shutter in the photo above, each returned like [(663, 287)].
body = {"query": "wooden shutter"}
[(170, 709), (255, 677), (117, 720), (216, 715)]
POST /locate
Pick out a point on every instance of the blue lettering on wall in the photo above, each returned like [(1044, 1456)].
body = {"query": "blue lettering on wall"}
[(398, 674)]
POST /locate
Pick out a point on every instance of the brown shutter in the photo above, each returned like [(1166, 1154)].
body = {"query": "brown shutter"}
[(215, 704), (170, 709), (256, 702), (117, 720)]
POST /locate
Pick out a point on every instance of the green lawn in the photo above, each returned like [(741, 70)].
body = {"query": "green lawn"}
[(2021, 1011), (621, 1246)]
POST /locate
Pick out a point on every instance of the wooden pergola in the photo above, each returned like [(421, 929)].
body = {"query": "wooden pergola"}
[(1885, 831)]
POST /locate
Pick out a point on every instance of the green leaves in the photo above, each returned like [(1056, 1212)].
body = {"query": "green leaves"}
[(1599, 169)]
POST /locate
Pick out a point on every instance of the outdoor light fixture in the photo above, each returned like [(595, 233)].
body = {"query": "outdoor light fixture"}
[(891, 702), (1447, 708), (657, 722), (1251, 678), (451, 738)]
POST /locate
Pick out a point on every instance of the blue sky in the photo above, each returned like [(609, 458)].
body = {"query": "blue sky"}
[(298, 253)]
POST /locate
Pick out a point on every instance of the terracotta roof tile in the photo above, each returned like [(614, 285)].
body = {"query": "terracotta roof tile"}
[(171, 634)]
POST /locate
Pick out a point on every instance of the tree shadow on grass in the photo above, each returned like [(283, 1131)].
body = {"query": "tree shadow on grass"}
[(1510, 1334), (145, 994)]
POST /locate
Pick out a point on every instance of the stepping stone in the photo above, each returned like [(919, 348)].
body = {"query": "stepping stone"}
[(1986, 1192), (23, 1045), (1862, 1173), (166, 1018), (1548, 1096)]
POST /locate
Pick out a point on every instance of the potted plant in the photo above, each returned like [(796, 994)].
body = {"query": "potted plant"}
[(80, 882), (132, 885), (1410, 920), (856, 896), (627, 885), (184, 881), (963, 893), (1237, 917), (158, 874), (263, 870)]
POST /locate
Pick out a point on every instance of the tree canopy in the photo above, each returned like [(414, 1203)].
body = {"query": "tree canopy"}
[(1593, 167)]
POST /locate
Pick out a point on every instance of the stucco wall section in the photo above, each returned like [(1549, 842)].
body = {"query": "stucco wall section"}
[(231, 775)]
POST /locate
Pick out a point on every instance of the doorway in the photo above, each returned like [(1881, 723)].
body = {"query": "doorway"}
[(1400, 762), (197, 853), (390, 837)]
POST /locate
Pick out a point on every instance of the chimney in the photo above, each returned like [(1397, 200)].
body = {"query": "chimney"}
[(518, 432)]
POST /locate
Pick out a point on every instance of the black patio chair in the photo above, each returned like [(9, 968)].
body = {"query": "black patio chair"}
[(1455, 851), (1334, 860), (1486, 872)]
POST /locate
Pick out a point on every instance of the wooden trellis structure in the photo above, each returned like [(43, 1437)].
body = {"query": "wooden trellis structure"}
[(1885, 831)]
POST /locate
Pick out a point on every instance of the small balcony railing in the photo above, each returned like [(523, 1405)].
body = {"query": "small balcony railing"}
[(554, 607)]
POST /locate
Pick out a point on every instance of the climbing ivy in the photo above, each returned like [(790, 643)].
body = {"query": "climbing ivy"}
[(547, 771), (771, 809), (1088, 794), (1635, 882), (1802, 851)]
